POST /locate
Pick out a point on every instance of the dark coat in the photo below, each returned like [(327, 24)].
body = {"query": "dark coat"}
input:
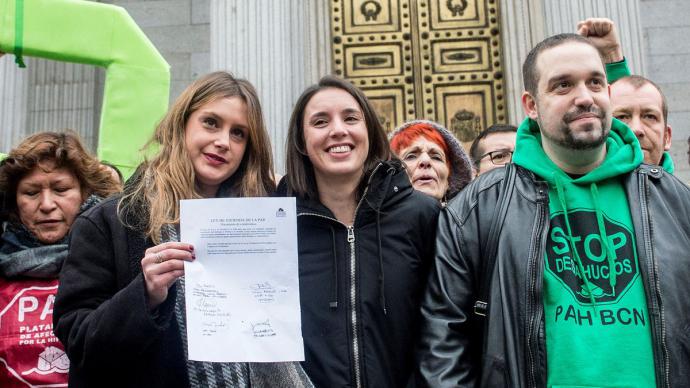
[(360, 287), (101, 313), (460, 349)]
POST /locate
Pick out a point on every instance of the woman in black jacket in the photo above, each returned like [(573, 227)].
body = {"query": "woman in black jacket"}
[(120, 306), (365, 241)]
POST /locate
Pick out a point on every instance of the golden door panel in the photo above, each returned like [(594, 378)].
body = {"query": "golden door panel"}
[(464, 109), (372, 48), (455, 56), (427, 59), (388, 103), (456, 14), (366, 16), (374, 60), (461, 65)]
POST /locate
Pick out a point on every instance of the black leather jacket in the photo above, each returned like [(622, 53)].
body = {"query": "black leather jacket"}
[(508, 348)]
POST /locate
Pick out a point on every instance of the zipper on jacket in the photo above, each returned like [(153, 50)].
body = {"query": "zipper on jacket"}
[(535, 300), (354, 319), (353, 303), (654, 279), (353, 294)]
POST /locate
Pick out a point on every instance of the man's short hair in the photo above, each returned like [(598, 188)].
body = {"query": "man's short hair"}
[(530, 77), (638, 81), (496, 128)]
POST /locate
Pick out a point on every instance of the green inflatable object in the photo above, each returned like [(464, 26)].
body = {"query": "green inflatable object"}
[(137, 77)]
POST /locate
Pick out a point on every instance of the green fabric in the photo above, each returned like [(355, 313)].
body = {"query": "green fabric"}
[(19, 33), (617, 70), (595, 311), (667, 163), (137, 77)]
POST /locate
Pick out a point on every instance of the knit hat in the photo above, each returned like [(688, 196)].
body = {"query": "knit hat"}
[(460, 165)]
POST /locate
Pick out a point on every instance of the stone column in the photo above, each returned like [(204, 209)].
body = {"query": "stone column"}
[(63, 95), (522, 27), (667, 54), (280, 46), (12, 103), (47, 96), (563, 15), (526, 22)]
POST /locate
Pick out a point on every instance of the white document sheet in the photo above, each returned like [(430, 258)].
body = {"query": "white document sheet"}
[(242, 291)]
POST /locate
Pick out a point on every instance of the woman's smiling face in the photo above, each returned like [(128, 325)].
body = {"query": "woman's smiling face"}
[(216, 138), (335, 135)]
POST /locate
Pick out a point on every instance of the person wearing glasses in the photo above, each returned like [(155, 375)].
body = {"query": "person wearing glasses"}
[(493, 147)]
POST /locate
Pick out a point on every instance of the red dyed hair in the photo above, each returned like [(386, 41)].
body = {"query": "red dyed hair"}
[(409, 135)]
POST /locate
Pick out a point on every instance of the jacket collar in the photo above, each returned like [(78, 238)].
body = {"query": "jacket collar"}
[(386, 184)]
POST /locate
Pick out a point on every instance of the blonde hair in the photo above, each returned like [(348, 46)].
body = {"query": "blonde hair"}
[(159, 184)]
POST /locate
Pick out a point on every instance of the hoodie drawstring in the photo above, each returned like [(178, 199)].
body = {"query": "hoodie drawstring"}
[(561, 198), (333, 304), (604, 239), (382, 276)]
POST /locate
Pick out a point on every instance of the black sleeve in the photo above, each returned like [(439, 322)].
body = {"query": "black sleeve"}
[(448, 350), (95, 320)]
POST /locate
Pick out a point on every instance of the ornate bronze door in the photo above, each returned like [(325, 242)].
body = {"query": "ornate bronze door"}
[(434, 59)]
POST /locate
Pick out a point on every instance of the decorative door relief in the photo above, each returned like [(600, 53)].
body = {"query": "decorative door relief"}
[(372, 47), (433, 59)]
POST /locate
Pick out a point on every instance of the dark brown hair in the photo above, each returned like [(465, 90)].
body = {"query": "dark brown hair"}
[(300, 176), (49, 151), (475, 150), (530, 76)]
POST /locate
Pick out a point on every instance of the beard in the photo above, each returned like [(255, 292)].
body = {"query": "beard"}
[(566, 137)]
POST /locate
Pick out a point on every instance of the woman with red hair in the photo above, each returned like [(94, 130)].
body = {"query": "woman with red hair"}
[(434, 158)]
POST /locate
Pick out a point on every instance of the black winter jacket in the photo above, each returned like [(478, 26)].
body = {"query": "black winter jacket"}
[(460, 349), (360, 287), (101, 313)]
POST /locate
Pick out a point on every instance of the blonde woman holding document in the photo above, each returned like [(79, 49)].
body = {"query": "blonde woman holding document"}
[(120, 308)]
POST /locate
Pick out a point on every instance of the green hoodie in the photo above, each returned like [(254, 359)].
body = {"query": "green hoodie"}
[(597, 325), (667, 163)]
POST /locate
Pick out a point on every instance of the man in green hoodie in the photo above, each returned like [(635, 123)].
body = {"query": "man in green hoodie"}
[(588, 282)]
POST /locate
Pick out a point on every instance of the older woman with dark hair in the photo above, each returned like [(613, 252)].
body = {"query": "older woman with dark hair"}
[(365, 241), (435, 160), (47, 181)]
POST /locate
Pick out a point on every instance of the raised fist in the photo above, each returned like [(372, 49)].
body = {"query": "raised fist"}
[(602, 33)]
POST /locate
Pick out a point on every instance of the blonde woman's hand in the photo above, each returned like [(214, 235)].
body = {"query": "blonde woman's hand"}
[(162, 265)]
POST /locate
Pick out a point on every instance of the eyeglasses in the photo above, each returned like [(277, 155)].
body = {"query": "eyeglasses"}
[(498, 157)]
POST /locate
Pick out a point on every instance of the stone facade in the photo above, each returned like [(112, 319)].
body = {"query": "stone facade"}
[(180, 30), (666, 28), (653, 31)]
